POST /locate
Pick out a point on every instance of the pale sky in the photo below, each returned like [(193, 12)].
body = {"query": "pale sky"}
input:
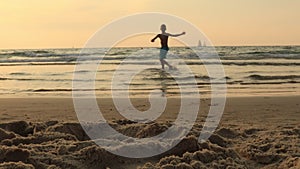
[(70, 23)]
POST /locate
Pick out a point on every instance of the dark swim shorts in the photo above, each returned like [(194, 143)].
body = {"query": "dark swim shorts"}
[(163, 52)]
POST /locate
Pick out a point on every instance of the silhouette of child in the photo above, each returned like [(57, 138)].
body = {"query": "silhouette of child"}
[(164, 45)]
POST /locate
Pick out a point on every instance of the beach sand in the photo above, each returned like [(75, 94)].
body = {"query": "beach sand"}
[(255, 132)]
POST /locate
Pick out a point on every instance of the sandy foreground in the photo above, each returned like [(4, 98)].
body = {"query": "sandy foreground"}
[(255, 132)]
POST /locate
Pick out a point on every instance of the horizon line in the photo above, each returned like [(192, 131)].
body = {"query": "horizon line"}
[(285, 45)]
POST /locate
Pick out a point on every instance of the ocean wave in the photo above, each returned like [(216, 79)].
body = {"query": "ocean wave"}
[(28, 53), (150, 62), (37, 60), (261, 77), (19, 74), (260, 57), (266, 53), (245, 63), (37, 64), (270, 83), (49, 53), (50, 80), (66, 52), (232, 54)]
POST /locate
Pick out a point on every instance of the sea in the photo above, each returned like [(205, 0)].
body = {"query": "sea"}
[(248, 71)]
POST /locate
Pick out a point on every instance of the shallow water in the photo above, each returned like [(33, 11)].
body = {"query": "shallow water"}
[(249, 71)]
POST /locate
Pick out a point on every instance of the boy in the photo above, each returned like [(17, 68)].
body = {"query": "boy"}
[(164, 45)]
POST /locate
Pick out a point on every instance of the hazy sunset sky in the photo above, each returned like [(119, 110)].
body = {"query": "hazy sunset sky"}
[(70, 23)]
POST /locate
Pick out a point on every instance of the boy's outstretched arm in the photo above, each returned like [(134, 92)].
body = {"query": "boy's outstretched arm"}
[(176, 35), (152, 40)]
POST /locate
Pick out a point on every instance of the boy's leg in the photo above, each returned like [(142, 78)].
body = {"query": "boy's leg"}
[(162, 63), (167, 63), (162, 56)]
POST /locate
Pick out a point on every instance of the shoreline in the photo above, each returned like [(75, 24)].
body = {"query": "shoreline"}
[(41, 109)]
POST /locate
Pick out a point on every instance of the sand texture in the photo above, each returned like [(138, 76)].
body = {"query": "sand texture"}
[(256, 132)]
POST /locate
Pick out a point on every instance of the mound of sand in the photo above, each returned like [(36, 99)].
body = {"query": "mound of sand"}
[(271, 148), (6, 134), (16, 165), (65, 145), (19, 127), (207, 155)]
